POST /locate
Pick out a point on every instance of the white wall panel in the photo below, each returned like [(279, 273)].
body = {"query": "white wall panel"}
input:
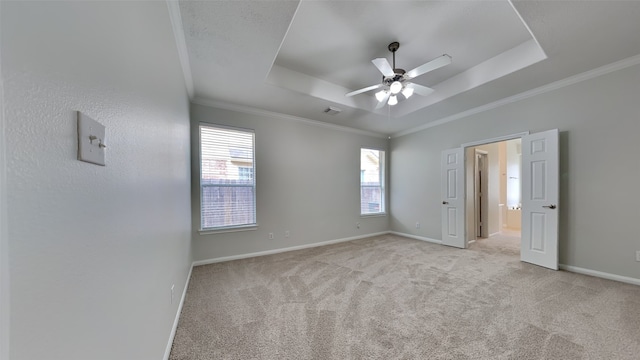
[(94, 250)]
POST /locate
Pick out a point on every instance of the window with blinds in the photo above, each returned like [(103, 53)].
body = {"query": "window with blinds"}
[(371, 182), (227, 178)]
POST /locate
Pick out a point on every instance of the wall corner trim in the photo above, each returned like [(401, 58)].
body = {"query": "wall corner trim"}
[(416, 237), (167, 350), (600, 274), (181, 44), (282, 250)]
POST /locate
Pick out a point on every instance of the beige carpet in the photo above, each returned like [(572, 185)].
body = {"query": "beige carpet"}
[(390, 297)]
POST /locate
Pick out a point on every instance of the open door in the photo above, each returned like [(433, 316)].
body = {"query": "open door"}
[(452, 193), (540, 172)]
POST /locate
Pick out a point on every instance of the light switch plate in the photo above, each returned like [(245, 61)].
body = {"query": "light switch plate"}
[(91, 140)]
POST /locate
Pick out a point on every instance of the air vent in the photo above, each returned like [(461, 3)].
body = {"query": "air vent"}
[(332, 110)]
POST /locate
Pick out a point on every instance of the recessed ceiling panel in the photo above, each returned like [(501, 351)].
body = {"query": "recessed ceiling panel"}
[(335, 41), (298, 58)]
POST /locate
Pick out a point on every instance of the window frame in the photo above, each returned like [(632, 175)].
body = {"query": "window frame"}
[(228, 228), (382, 172)]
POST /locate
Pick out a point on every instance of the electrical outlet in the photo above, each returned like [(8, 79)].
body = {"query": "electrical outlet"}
[(638, 255), (172, 288), (287, 233), (358, 225), (417, 225), (270, 236)]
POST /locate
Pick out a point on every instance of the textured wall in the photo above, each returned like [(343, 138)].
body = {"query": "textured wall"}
[(94, 250), (307, 182), (4, 244), (598, 123)]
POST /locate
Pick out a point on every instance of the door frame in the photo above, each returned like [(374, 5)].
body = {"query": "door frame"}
[(480, 192), (471, 144)]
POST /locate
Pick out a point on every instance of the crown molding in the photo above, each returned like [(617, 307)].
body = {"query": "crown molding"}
[(587, 75), (272, 114), (181, 44)]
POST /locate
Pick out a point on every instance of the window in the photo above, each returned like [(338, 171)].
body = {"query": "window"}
[(245, 173), (227, 181), (371, 182)]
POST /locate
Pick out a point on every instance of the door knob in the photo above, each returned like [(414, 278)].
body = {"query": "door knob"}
[(549, 206), (445, 203)]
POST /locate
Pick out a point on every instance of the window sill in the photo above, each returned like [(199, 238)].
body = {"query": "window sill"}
[(373, 215), (228, 230)]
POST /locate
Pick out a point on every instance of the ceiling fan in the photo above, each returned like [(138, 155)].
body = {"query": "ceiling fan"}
[(395, 81)]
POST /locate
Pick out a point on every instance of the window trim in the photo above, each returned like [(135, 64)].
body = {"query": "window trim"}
[(227, 229), (383, 187), (232, 228)]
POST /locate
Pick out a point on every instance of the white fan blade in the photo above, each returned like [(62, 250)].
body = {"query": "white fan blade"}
[(420, 90), (383, 65), (364, 90), (430, 66), (384, 101)]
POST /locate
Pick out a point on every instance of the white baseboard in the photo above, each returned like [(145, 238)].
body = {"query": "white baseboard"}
[(600, 274), (281, 250), (422, 238), (167, 350)]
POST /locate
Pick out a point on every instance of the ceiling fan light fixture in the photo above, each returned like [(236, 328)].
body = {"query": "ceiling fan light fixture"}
[(396, 80), (407, 92), (395, 87)]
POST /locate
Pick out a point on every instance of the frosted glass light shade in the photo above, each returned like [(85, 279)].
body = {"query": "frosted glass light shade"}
[(395, 87), (407, 92), (393, 100), (380, 95)]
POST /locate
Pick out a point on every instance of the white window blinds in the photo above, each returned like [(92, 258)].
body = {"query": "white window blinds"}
[(227, 177), (371, 181)]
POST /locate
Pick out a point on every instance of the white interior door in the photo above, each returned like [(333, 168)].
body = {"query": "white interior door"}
[(452, 193), (540, 172)]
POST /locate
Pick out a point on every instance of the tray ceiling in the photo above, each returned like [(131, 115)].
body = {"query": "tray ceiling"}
[(298, 58)]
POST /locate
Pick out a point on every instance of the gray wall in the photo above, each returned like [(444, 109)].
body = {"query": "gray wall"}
[(94, 250), (307, 182), (599, 125), (4, 244)]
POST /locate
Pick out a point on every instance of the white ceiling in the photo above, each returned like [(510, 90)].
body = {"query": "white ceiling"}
[(298, 58)]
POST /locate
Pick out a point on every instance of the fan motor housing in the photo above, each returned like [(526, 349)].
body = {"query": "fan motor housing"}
[(399, 73)]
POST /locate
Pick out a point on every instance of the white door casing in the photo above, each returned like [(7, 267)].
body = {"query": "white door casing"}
[(452, 194), (481, 185), (540, 195)]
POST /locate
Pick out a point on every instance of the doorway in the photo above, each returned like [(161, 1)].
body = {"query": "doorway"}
[(493, 193), (539, 196)]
